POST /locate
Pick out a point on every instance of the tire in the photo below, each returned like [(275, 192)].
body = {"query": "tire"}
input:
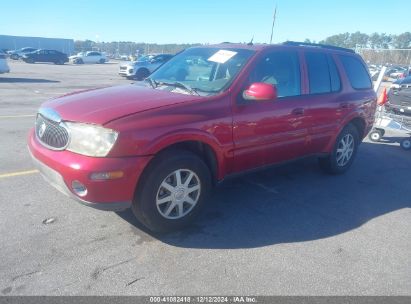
[(29, 60), (375, 135), (59, 62), (79, 61), (101, 61), (142, 73), (162, 210), (336, 162), (406, 144)]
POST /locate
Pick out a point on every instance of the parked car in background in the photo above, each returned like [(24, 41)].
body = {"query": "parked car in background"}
[(4, 67), (401, 83), (399, 100), (397, 72), (143, 67), (88, 57), (17, 54), (160, 145), (53, 56)]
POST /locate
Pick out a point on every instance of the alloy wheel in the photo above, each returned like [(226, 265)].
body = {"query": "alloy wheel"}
[(345, 150), (178, 194)]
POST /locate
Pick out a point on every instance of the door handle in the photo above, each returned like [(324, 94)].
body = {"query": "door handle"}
[(297, 111)]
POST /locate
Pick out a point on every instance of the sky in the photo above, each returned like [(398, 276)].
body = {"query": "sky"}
[(200, 21)]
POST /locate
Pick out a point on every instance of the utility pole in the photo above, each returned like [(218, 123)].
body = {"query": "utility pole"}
[(272, 27)]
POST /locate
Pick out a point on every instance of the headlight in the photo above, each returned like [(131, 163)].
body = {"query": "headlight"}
[(90, 140)]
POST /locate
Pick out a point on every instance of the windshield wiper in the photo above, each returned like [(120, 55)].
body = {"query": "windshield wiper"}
[(181, 85), (152, 82)]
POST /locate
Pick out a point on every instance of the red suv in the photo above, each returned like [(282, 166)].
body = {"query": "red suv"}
[(159, 146)]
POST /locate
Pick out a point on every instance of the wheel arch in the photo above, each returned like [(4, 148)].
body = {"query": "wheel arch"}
[(360, 124), (357, 121), (200, 148)]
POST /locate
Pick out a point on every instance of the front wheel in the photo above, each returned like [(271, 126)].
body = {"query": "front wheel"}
[(406, 144), (344, 151), (142, 73), (172, 191)]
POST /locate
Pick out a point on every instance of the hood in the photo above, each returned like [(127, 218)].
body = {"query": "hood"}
[(99, 106)]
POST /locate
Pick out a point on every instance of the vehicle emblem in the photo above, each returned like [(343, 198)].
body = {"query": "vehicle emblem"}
[(42, 129)]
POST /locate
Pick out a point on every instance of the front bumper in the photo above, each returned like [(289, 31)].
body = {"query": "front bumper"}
[(128, 72), (61, 168)]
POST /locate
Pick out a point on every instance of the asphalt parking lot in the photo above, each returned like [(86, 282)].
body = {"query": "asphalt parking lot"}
[(291, 230)]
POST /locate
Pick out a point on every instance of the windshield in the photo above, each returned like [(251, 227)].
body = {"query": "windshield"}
[(145, 58), (205, 71)]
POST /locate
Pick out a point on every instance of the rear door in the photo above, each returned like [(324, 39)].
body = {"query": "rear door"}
[(52, 56), (326, 108), (41, 56), (90, 57), (271, 131)]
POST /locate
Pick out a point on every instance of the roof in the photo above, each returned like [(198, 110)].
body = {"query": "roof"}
[(288, 44)]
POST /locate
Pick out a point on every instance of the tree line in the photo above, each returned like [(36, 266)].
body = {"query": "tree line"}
[(129, 47), (374, 41), (361, 42)]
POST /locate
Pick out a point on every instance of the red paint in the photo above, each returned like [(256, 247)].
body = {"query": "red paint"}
[(242, 136)]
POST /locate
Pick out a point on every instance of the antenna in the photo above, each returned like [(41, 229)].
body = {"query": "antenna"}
[(272, 27), (251, 42)]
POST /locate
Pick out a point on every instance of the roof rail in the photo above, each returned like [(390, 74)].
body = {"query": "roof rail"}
[(325, 46)]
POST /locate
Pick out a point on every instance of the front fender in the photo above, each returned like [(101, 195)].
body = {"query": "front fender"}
[(169, 139)]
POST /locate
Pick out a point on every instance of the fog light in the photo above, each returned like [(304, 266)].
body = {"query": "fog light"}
[(107, 175), (79, 188)]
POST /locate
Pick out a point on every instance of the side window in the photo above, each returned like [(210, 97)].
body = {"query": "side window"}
[(334, 75), (322, 73), (356, 72), (281, 69), (318, 73)]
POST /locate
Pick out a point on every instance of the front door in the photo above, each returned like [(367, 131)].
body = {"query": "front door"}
[(267, 132)]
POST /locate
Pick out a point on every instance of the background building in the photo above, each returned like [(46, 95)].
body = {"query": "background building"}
[(17, 42)]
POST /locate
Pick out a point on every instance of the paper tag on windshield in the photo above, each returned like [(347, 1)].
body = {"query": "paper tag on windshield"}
[(222, 56)]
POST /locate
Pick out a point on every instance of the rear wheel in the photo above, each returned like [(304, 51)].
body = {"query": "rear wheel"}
[(406, 144), (101, 61), (173, 190), (344, 151)]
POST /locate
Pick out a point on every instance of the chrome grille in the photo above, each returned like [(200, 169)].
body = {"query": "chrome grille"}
[(51, 134), (123, 68)]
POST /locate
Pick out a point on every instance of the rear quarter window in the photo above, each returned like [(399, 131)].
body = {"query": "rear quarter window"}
[(356, 72)]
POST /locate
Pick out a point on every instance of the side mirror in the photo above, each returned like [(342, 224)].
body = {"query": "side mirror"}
[(260, 91)]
